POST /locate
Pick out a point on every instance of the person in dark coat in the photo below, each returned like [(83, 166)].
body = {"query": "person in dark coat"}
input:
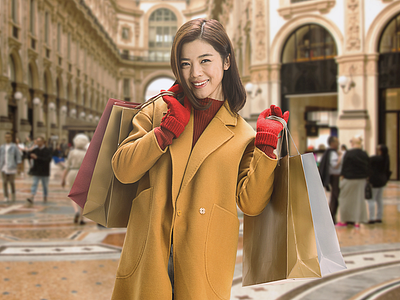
[(355, 171), (40, 170), (380, 175), (330, 168)]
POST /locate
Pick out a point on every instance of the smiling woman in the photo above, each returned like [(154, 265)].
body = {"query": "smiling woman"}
[(212, 35), (195, 160), (202, 70)]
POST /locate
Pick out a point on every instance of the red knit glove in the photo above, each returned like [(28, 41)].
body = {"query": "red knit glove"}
[(174, 122), (268, 130), (178, 115)]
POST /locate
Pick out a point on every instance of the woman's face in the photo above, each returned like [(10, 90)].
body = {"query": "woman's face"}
[(203, 69)]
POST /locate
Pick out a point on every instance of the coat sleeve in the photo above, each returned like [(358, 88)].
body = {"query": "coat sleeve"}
[(255, 182), (140, 150)]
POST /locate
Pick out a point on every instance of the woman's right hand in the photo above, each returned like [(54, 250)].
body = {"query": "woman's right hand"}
[(178, 115)]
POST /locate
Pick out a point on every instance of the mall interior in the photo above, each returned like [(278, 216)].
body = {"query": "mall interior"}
[(334, 64)]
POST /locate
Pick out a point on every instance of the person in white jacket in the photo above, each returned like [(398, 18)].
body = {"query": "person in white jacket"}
[(10, 157)]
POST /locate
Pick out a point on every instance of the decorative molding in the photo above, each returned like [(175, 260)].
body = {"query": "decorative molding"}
[(354, 114), (14, 44), (259, 74), (260, 31), (323, 6), (189, 13), (275, 72), (5, 84), (371, 67), (32, 55), (353, 42)]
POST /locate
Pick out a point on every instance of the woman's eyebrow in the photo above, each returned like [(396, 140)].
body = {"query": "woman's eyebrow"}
[(201, 56)]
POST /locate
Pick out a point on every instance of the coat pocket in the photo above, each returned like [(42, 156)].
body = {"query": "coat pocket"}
[(221, 248), (136, 234)]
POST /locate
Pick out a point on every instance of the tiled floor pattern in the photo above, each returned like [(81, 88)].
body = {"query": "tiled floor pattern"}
[(43, 255)]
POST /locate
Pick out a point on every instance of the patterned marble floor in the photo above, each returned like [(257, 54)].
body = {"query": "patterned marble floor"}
[(44, 255)]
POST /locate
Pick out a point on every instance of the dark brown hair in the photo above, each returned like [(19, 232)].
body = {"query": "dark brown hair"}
[(212, 32)]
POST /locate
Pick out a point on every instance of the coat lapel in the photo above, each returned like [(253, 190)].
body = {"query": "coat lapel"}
[(180, 152), (213, 137)]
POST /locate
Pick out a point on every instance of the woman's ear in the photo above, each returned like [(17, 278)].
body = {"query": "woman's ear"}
[(227, 62)]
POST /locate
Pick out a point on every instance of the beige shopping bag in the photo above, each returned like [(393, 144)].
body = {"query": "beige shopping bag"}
[(108, 200), (104, 187), (294, 237)]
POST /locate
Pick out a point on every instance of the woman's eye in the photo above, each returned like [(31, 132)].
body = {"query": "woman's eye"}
[(184, 64), (205, 60)]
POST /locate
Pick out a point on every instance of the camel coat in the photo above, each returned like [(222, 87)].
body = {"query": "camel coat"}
[(192, 193)]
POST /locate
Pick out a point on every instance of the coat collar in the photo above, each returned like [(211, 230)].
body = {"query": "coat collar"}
[(185, 161)]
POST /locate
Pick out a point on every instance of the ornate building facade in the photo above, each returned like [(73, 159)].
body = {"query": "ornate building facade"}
[(333, 64)]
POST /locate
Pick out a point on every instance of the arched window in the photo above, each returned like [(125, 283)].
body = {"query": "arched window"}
[(390, 39), (309, 43), (162, 30), (389, 92)]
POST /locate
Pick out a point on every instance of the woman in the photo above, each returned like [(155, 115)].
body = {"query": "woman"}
[(355, 171), (72, 165), (195, 159), (379, 178)]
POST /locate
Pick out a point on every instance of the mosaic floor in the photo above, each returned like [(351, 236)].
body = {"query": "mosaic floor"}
[(45, 256)]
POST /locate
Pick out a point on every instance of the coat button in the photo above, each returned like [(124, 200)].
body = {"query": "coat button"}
[(202, 211), (178, 212)]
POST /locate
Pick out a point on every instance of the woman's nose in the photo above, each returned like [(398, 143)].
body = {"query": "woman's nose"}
[(196, 70)]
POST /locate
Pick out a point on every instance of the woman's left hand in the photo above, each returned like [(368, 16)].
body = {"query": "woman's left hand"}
[(267, 129)]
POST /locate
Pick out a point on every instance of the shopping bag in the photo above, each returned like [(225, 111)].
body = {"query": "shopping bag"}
[(104, 187), (80, 187), (294, 237), (103, 198)]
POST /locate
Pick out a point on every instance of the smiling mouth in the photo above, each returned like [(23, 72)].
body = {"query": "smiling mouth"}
[(200, 84)]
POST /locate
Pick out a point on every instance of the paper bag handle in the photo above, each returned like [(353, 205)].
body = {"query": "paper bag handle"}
[(285, 131), (152, 99)]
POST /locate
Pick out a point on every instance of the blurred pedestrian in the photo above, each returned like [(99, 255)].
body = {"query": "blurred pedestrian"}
[(58, 157), (10, 157), (29, 145), (64, 148), (72, 165), (380, 175), (40, 170), (330, 169), (21, 148), (355, 171)]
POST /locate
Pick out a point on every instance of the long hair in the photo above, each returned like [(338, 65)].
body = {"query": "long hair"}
[(212, 32)]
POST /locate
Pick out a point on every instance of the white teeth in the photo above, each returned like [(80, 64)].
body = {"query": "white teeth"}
[(200, 83)]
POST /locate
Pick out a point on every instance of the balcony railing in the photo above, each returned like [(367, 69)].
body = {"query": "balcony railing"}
[(145, 58)]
